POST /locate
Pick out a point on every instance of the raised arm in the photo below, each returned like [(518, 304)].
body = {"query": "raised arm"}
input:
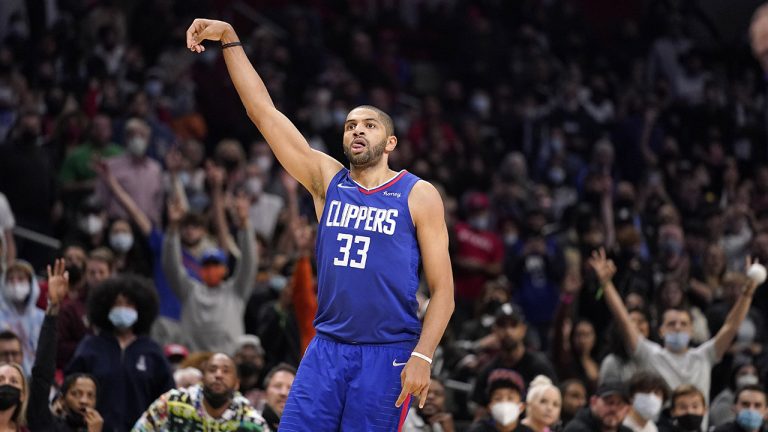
[(738, 312), (605, 270), (311, 168), (124, 198), (245, 269), (429, 217), (173, 265), (44, 369)]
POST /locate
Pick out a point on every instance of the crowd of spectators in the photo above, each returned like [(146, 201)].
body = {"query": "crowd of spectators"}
[(554, 129)]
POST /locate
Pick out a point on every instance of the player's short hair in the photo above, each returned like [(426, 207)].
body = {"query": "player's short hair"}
[(384, 118)]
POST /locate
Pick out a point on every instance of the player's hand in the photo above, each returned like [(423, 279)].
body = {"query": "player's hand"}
[(415, 379), (205, 29), (94, 420)]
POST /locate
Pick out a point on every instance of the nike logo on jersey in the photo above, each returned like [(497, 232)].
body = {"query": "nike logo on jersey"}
[(346, 187), (396, 364)]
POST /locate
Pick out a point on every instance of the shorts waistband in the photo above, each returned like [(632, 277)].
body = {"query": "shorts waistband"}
[(406, 345)]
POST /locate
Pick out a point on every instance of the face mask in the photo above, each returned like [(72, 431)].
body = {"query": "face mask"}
[(254, 186), (9, 396), (480, 222), (510, 239), (505, 413), (91, 224), (671, 248), (75, 274), (212, 275), (17, 291), (137, 146), (689, 422), (75, 419), (121, 242), (247, 369), (647, 405), (278, 282), (123, 317), (676, 341), (217, 400), (264, 163), (556, 175), (230, 164), (749, 419), (154, 88), (746, 380)]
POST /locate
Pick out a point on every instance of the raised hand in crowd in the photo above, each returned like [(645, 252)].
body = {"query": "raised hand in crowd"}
[(58, 285), (175, 212)]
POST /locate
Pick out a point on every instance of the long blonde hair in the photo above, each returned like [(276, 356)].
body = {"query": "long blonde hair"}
[(20, 414)]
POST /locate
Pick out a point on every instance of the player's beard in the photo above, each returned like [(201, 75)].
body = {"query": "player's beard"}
[(370, 156)]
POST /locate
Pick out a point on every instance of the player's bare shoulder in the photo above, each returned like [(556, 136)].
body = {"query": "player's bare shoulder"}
[(426, 204)]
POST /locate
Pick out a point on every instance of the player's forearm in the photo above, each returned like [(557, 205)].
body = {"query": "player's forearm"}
[(251, 89), (436, 319)]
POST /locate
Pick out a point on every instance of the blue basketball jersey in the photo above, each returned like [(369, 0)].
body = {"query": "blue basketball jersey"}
[(368, 259)]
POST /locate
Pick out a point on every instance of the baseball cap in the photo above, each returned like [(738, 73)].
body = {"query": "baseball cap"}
[(175, 350), (213, 256), (505, 378), (609, 388), (249, 340), (477, 201), (509, 313)]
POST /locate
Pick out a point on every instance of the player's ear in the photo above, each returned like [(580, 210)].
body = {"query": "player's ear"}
[(391, 143)]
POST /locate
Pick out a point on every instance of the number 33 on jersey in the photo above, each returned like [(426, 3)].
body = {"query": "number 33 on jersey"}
[(368, 258)]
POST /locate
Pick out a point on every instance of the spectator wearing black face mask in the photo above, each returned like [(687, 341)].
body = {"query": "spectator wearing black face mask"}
[(249, 357), (687, 411)]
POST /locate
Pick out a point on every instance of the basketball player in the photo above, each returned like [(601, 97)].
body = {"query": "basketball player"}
[(371, 352)]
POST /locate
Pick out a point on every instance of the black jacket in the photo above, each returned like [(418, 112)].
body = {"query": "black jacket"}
[(39, 414), (733, 427), (584, 421)]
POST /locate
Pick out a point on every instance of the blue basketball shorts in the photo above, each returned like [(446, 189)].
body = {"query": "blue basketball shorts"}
[(344, 387)]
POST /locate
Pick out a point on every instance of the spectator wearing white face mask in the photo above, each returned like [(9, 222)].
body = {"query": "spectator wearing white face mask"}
[(139, 175), (18, 312), (648, 393), (506, 391)]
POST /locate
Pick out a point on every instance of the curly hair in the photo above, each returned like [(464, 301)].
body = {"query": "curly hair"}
[(136, 289)]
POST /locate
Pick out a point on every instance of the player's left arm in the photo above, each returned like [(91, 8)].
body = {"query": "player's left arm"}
[(428, 215)]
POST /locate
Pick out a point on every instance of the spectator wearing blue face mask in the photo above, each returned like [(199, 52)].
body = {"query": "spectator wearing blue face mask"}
[(129, 366), (674, 361), (751, 408)]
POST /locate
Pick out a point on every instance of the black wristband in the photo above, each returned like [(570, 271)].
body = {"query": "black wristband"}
[(231, 44)]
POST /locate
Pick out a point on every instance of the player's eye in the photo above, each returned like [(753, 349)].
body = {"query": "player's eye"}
[(370, 125)]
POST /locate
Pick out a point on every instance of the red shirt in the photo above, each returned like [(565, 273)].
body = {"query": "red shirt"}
[(483, 246)]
